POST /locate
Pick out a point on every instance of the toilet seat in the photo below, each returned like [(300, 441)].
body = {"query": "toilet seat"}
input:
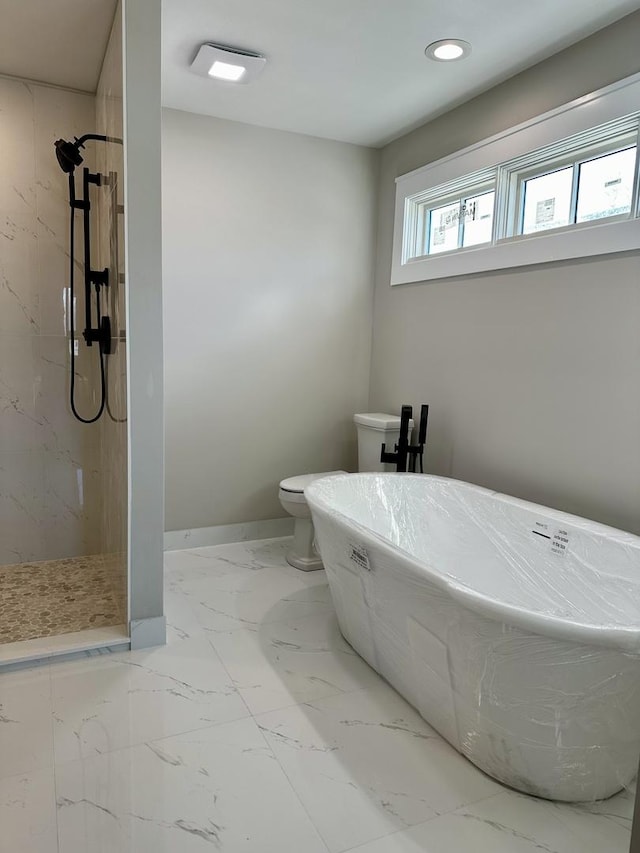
[(295, 486)]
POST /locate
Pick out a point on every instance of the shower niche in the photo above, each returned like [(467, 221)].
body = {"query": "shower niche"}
[(63, 394)]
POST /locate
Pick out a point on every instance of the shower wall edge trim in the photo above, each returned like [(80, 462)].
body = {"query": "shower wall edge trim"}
[(148, 632)]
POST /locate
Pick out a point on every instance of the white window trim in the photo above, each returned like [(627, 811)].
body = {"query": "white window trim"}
[(585, 240)]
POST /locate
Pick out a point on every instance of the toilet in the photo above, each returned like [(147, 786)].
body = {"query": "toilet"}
[(374, 429)]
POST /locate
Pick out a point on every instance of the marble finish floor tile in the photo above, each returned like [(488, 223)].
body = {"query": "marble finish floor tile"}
[(55, 597), (366, 764), (604, 825), (257, 729), (251, 598), (26, 733), (106, 703), (218, 560), (181, 620), (507, 823), (285, 663), (28, 813), (216, 789)]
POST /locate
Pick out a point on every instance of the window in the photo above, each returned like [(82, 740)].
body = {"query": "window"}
[(466, 222), (547, 201), (555, 179), (479, 224), (453, 217), (597, 188), (605, 185), (580, 179)]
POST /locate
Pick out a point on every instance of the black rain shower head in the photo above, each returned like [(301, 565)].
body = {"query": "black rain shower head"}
[(68, 154)]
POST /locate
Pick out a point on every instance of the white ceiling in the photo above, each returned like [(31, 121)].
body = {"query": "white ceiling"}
[(355, 70), (352, 70), (55, 41)]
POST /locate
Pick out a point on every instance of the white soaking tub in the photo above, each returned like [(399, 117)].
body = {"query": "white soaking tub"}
[(513, 629)]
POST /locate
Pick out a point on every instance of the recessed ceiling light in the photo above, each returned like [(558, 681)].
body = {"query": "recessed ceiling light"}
[(446, 50), (230, 64)]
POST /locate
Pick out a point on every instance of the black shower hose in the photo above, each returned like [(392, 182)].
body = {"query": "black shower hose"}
[(72, 383)]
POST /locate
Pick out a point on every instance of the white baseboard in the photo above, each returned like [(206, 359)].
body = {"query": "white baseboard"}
[(200, 537)]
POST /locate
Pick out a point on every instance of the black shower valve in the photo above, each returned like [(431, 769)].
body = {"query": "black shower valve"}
[(91, 335), (100, 277), (79, 204), (101, 336)]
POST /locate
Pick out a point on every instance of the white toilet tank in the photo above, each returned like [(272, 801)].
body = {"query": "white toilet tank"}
[(374, 428)]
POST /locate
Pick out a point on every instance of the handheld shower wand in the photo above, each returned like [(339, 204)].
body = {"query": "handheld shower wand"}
[(69, 158)]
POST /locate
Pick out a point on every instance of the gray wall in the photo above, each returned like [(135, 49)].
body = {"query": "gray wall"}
[(268, 268), (533, 375)]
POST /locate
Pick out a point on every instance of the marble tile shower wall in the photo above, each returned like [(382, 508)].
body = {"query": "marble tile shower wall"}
[(113, 425), (50, 476)]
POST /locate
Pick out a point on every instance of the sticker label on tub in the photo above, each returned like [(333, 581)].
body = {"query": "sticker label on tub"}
[(560, 542), (358, 555), (557, 537)]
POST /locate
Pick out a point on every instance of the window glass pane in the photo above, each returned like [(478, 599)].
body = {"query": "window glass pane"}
[(547, 201), (478, 219), (606, 185), (443, 228)]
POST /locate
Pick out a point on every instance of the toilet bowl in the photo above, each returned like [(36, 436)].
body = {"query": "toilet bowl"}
[(302, 553), (374, 429)]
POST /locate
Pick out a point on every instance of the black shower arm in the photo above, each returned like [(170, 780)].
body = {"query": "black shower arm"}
[(86, 137), (99, 137)]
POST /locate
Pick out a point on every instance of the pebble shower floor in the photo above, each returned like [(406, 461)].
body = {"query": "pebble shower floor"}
[(53, 597)]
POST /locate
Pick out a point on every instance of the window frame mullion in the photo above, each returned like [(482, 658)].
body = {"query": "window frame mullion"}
[(575, 188), (635, 195), (461, 204)]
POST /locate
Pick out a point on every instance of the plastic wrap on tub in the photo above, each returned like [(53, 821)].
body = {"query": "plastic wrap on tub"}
[(525, 656)]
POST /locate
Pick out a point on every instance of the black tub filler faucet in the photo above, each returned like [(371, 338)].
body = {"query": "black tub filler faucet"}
[(404, 452)]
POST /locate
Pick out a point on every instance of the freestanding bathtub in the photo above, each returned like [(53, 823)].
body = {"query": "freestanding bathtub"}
[(513, 629)]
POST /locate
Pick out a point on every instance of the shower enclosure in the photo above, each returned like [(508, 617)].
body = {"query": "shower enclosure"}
[(63, 475)]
